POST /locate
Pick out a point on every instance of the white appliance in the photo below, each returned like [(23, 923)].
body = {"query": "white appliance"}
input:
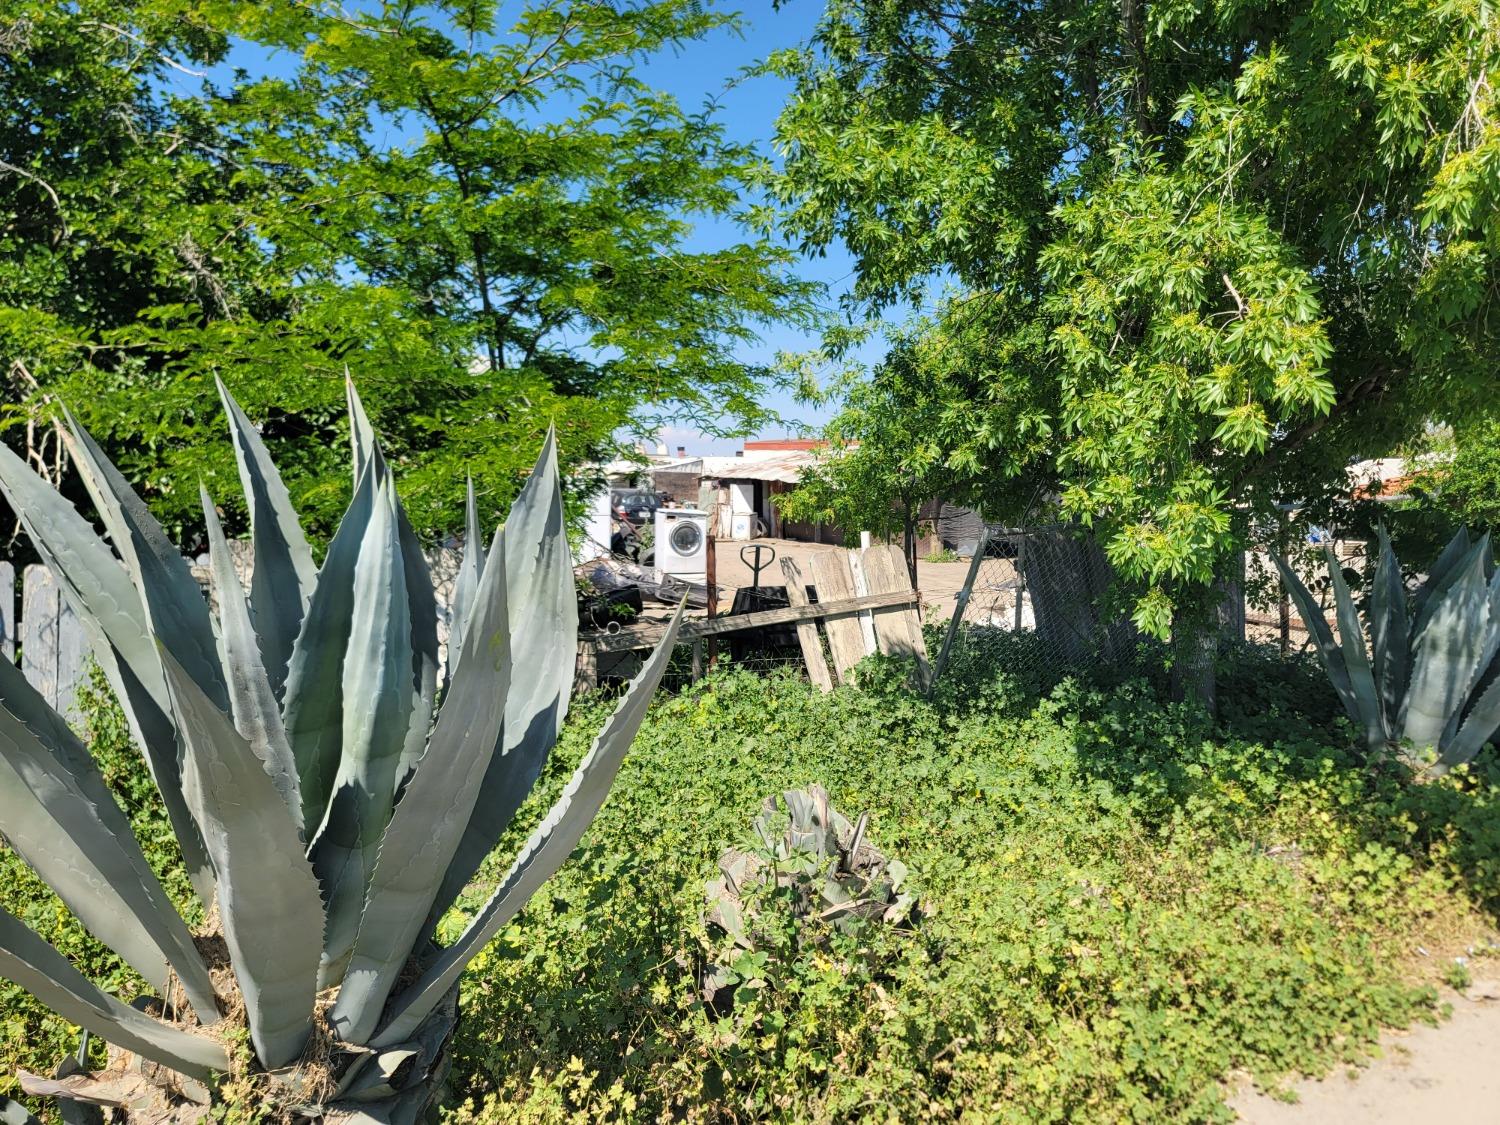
[(682, 543)]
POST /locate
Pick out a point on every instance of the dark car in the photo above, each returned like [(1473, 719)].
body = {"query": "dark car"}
[(637, 506), (633, 511)]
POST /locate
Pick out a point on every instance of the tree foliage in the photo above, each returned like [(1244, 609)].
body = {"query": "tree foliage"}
[(482, 211), (1461, 479), (883, 461), (1220, 248)]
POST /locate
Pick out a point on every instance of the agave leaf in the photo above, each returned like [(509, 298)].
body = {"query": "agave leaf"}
[(1487, 625), (14, 1113), (62, 819), (284, 575), (1490, 647), (544, 852), (176, 612), (421, 609), (1388, 633), (544, 648), (314, 711), (421, 615), (362, 444), (269, 903), (253, 700), (376, 675), (430, 819), (466, 584), (1442, 574), (1446, 654), (1480, 726), (1356, 660), (1329, 653), (47, 974), (99, 591), (152, 727)]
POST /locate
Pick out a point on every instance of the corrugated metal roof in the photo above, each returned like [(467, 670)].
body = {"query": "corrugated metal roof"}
[(787, 468), (679, 465)]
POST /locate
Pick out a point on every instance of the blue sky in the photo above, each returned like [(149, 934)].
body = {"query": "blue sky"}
[(748, 110)]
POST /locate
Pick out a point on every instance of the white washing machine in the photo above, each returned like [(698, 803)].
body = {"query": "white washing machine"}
[(682, 543)]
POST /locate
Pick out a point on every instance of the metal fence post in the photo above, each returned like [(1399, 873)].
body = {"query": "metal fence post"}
[(960, 607)]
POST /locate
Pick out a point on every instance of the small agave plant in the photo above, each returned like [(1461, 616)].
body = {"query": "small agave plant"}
[(827, 867), (332, 793), (1429, 680)]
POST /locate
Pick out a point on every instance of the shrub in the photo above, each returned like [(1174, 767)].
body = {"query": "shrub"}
[(1127, 905)]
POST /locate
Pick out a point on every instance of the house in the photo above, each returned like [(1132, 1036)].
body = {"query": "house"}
[(741, 489)]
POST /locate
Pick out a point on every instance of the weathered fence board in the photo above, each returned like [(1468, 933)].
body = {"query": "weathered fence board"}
[(897, 631), (53, 644), (846, 639), (7, 611), (807, 631), (856, 563)]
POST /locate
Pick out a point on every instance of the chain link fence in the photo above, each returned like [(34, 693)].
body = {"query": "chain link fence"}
[(1051, 584)]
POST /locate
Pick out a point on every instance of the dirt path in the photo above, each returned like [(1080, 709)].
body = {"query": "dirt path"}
[(1445, 1074)]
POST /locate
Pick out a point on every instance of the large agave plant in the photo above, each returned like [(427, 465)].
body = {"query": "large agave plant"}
[(1430, 678), (332, 793)]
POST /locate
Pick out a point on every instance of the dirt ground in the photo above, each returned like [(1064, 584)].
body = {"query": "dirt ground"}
[(1444, 1074), (939, 583)]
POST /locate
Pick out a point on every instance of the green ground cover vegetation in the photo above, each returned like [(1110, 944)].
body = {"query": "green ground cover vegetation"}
[(1125, 905)]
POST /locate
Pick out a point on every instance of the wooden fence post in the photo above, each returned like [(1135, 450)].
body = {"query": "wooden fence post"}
[(807, 631), (53, 645), (7, 611), (961, 606)]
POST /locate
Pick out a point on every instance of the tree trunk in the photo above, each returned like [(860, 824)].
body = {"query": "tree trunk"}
[(909, 540), (1195, 648), (1133, 17)]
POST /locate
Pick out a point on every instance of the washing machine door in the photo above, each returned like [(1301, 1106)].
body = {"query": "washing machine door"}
[(686, 537)]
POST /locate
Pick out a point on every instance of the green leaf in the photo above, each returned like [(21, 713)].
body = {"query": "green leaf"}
[(1356, 659), (433, 812), (470, 570), (252, 698), (1479, 727), (363, 447), (544, 648), (421, 608), (1446, 653), (422, 639), (314, 710), (282, 580), (545, 850), (59, 815), (1444, 573), (176, 613), (1329, 653), (269, 904), (99, 590), (376, 685), (47, 975), (1388, 633)]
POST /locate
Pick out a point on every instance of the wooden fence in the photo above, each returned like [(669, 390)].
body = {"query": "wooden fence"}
[(53, 646)]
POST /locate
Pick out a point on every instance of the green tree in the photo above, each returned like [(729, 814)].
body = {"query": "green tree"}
[(1460, 480), (484, 214), (1219, 248)]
